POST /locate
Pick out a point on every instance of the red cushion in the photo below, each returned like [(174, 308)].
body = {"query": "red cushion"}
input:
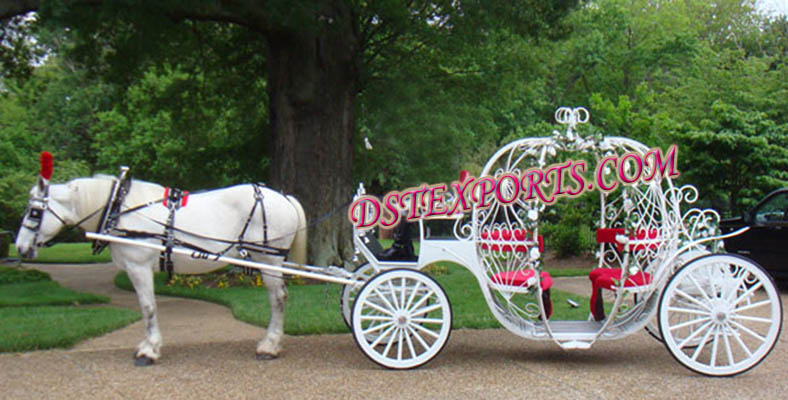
[(605, 278), (506, 235), (608, 235), (521, 277)]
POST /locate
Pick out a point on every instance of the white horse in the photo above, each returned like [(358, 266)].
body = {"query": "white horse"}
[(219, 214)]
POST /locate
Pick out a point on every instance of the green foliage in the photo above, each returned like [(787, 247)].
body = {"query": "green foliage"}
[(184, 101), (174, 123), (736, 155), (18, 275), (567, 226)]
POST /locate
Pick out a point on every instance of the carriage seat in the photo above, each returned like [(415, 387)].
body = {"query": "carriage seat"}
[(608, 278), (518, 240), (608, 235)]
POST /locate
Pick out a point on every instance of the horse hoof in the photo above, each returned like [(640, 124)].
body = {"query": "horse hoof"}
[(143, 361), (264, 356)]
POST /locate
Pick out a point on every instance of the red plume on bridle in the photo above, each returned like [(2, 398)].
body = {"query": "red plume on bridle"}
[(46, 165)]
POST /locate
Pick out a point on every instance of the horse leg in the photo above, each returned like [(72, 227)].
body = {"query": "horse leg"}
[(148, 350), (269, 347)]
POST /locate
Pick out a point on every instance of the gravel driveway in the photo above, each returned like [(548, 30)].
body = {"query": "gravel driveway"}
[(209, 354)]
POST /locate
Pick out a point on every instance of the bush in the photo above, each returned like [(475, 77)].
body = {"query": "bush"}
[(571, 240), (16, 275), (566, 227)]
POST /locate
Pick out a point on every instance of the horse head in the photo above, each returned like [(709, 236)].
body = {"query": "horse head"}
[(48, 211)]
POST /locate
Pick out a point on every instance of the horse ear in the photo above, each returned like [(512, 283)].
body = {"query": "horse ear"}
[(42, 184)]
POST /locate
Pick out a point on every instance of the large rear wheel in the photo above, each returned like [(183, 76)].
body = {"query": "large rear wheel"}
[(720, 315)]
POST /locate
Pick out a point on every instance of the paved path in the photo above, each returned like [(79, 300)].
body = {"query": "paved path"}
[(209, 354)]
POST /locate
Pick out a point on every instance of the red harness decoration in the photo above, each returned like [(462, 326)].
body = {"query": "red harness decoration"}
[(46, 165), (184, 197)]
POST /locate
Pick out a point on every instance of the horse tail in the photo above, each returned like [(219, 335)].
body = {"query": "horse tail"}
[(297, 252)]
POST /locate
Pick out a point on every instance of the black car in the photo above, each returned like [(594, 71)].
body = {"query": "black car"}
[(767, 240)]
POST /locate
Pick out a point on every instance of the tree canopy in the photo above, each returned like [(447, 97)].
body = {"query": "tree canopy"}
[(210, 93)]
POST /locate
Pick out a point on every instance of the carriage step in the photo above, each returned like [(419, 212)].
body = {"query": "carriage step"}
[(575, 345)]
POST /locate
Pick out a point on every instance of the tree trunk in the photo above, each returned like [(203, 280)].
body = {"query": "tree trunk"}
[(312, 86)]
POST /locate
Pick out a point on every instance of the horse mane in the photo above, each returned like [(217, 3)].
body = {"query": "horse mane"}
[(93, 193)]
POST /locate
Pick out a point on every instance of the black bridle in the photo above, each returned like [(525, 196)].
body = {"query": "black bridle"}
[(37, 207)]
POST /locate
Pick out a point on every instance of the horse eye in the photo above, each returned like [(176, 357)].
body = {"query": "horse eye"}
[(36, 213)]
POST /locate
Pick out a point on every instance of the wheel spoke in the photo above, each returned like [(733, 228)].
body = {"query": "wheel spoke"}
[(403, 288), (748, 330), (383, 336), (747, 293), (689, 310), (412, 295), (377, 328), (427, 309), (399, 345), (393, 294), (689, 323), (410, 343), (728, 349), (375, 318), (390, 342), (739, 278), (698, 286), (702, 344), (423, 299), (378, 308), (753, 305), (418, 337), (714, 346), (693, 335), (388, 304), (427, 331), (427, 320), (741, 342), (692, 299), (753, 319)]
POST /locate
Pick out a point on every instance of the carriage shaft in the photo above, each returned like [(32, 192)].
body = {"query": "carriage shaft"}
[(204, 255)]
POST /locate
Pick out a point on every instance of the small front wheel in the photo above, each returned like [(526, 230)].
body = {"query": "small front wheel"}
[(363, 272), (401, 319), (720, 315)]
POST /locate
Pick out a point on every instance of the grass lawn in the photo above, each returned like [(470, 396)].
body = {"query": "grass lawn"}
[(66, 253), (45, 327), (44, 293), (38, 313), (314, 309)]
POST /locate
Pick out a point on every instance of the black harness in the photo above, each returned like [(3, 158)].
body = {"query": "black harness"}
[(111, 213), (175, 199)]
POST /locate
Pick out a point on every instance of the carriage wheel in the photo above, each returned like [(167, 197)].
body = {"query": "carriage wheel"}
[(401, 319), (364, 271), (720, 315)]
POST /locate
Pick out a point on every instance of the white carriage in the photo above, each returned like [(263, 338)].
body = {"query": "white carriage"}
[(718, 314), (659, 261)]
